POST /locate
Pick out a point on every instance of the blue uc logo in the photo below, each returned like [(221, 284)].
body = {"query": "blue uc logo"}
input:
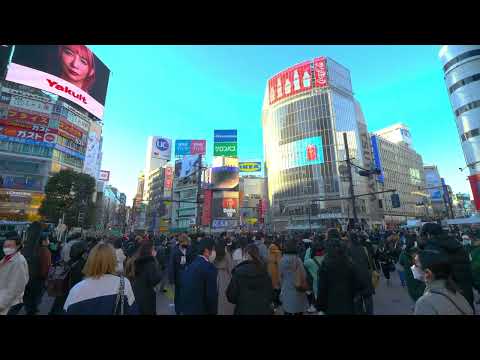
[(162, 144)]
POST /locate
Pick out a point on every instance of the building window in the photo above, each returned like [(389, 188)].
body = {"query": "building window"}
[(461, 57), (463, 82), (467, 107)]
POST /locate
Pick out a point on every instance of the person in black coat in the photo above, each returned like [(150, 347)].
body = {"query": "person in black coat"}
[(251, 286), (359, 257), (338, 282), (147, 275), (199, 287), (180, 257), (433, 238)]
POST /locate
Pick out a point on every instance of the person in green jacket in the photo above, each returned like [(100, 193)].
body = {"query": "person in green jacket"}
[(415, 287)]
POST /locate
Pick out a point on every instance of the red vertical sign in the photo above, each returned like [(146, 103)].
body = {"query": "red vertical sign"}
[(474, 184), (207, 208), (320, 70)]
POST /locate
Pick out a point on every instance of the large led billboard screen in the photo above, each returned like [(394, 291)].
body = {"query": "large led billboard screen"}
[(308, 151), (187, 166), (73, 72), (226, 207), (225, 177)]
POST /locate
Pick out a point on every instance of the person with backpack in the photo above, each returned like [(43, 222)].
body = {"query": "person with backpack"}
[(13, 275), (441, 296), (312, 265), (293, 279), (434, 238)]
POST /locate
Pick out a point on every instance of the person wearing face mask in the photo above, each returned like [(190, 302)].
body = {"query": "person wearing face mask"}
[(13, 275), (415, 287), (145, 275), (441, 296), (199, 288), (180, 257)]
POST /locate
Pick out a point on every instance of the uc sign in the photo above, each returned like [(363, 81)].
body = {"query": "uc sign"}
[(250, 166), (162, 144)]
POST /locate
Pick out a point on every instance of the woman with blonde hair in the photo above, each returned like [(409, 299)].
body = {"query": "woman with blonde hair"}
[(101, 292)]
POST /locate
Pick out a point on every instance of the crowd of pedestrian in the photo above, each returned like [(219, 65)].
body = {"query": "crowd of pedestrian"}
[(332, 273)]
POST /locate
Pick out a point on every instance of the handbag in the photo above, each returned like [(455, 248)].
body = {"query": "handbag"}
[(120, 298), (301, 283), (58, 279)]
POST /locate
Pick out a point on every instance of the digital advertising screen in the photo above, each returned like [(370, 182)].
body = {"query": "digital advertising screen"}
[(187, 166), (302, 152), (225, 177), (73, 72), (225, 208)]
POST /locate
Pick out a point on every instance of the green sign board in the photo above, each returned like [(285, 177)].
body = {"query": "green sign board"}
[(227, 149)]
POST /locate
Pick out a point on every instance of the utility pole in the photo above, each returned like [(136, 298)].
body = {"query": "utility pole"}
[(350, 179)]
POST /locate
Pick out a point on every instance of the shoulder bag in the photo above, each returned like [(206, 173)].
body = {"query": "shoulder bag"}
[(120, 300), (375, 273), (58, 279), (448, 297)]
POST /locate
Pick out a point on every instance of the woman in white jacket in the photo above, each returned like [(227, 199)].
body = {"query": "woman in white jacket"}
[(13, 276)]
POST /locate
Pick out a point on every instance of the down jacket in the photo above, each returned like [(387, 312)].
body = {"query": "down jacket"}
[(13, 279)]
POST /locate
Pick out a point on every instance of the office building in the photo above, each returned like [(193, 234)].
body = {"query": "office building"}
[(306, 110)]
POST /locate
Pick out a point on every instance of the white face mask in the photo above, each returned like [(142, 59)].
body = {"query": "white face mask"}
[(212, 256), (418, 273), (9, 251)]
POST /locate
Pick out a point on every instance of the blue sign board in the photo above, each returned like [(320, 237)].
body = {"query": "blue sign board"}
[(377, 160), (182, 147), (69, 152), (225, 136), (26, 141)]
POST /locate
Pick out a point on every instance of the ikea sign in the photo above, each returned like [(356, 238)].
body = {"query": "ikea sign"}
[(250, 166)]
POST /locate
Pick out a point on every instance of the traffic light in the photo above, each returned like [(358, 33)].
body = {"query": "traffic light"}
[(395, 200)]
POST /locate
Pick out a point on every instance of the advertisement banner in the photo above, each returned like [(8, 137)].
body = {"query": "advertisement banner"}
[(207, 208), (104, 175), (26, 126), (30, 104), (70, 129), (27, 118), (225, 177), (161, 148), (28, 135), (70, 151), (22, 182), (291, 81), (228, 149), (376, 159), (26, 141), (91, 155), (223, 136), (475, 186), (168, 182), (225, 208), (198, 147), (5, 98), (302, 152), (187, 166), (224, 223), (182, 147), (320, 70), (73, 72), (252, 166)]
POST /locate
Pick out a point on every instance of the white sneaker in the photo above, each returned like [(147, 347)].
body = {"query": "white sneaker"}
[(312, 309)]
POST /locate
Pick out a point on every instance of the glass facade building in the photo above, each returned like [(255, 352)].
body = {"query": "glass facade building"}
[(461, 66), (304, 149)]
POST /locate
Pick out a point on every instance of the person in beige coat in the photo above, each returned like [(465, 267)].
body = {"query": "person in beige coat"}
[(224, 264), (273, 263), (13, 275)]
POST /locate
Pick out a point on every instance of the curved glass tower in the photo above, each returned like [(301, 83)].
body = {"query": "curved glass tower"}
[(306, 110), (461, 66)]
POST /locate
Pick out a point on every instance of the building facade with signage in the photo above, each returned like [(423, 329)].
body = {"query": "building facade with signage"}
[(40, 134), (306, 110), (461, 67), (253, 200), (402, 170), (433, 183)]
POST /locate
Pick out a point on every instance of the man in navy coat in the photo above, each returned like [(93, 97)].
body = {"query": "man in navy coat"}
[(199, 290)]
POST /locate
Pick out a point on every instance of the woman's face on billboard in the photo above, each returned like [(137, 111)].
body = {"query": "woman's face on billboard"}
[(75, 66)]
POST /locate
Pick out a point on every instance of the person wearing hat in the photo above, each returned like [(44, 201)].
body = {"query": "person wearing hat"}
[(433, 237), (13, 275), (199, 288), (441, 296)]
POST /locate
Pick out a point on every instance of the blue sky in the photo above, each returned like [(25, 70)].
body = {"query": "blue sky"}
[(188, 91)]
